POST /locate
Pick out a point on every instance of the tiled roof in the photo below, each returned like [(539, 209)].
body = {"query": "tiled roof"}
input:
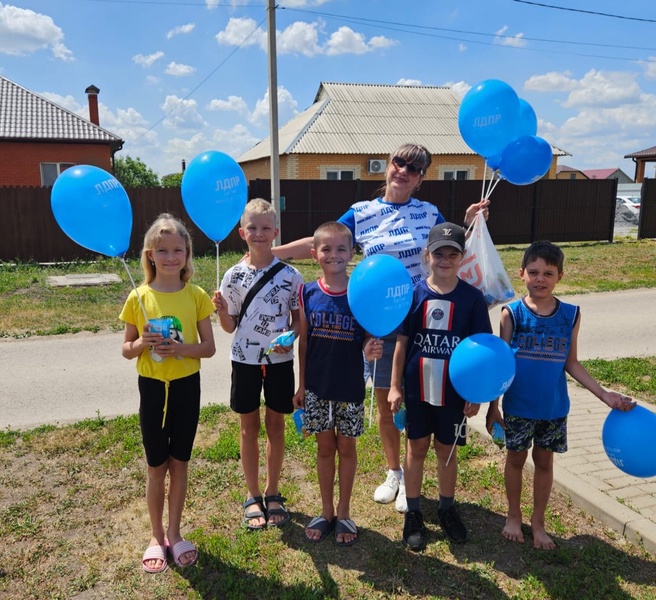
[(25, 115), (352, 118), (599, 173), (647, 153)]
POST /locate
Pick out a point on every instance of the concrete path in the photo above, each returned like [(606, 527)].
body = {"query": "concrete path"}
[(61, 379)]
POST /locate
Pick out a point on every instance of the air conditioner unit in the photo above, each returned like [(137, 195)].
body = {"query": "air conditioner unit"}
[(377, 166)]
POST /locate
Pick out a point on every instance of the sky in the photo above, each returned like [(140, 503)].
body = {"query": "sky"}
[(180, 77)]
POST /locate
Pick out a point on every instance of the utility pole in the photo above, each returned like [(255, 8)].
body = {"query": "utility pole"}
[(273, 114)]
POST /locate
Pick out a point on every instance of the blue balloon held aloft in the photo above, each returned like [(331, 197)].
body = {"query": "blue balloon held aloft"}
[(488, 116), (380, 293), (628, 439), (482, 367), (527, 120), (525, 160), (93, 209), (214, 193)]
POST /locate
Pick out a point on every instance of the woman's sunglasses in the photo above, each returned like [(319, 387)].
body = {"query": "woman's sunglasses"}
[(412, 168)]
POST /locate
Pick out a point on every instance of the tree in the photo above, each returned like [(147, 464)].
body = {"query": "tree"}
[(133, 172), (172, 180)]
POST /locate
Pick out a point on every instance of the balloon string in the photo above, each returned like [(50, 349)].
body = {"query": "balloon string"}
[(484, 175), (493, 184), (218, 281), (464, 419), (373, 393), (143, 308)]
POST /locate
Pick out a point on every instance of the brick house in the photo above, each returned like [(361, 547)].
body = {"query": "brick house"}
[(39, 139), (351, 129)]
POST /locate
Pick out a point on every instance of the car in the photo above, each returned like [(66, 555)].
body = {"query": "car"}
[(630, 202)]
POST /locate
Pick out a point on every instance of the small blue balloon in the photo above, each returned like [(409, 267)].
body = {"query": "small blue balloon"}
[(482, 367), (380, 293), (527, 120), (525, 160), (628, 439), (488, 115), (214, 193), (93, 209)]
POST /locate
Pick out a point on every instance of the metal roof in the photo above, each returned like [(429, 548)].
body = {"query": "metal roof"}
[(647, 153), (354, 118), (25, 115)]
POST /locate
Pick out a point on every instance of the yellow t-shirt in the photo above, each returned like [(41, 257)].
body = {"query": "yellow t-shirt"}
[(186, 308)]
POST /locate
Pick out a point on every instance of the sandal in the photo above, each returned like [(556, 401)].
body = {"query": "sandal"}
[(155, 553), (345, 526), (320, 524), (280, 510), (249, 516), (183, 547)]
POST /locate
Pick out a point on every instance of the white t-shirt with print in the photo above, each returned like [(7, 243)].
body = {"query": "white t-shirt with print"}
[(266, 316)]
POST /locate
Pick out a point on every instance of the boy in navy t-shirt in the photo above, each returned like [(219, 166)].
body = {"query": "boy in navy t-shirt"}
[(331, 382), (444, 311)]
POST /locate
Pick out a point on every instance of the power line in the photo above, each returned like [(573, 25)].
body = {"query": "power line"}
[(587, 12)]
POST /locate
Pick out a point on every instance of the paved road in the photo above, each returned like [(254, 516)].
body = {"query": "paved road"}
[(59, 379)]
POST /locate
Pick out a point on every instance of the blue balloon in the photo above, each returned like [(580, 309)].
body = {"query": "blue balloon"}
[(214, 192), (525, 160), (487, 117), (93, 209), (380, 293), (482, 367), (527, 120), (628, 439), (494, 161)]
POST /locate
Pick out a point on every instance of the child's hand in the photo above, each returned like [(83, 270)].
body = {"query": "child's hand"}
[(373, 349), (299, 398), (493, 416), (168, 348), (220, 304), (394, 399), (150, 339), (471, 410), (618, 401), (287, 345)]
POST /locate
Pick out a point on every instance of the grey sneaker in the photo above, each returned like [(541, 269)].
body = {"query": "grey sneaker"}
[(386, 492), (414, 531), (452, 525)]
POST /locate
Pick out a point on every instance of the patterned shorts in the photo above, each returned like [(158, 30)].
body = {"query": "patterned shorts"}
[(324, 415), (550, 435)]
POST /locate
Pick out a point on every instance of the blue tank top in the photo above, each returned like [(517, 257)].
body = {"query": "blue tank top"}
[(541, 346), (334, 366)]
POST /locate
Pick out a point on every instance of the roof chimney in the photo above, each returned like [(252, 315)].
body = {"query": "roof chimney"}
[(92, 93)]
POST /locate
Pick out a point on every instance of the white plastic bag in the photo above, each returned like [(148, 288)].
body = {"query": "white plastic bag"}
[(482, 266)]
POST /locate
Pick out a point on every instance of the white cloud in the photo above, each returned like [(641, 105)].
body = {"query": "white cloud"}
[(24, 31), (179, 70), (409, 82), (462, 48), (147, 60), (551, 82), (599, 88), (299, 38), (242, 32), (380, 41), (233, 103), (182, 114), (516, 41), (346, 41), (459, 87), (180, 30), (211, 4), (649, 67)]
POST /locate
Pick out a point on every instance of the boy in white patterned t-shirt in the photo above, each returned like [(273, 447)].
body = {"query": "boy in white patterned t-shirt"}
[(272, 310)]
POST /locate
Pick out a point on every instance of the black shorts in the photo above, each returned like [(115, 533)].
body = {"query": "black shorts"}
[(247, 383), (176, 438), (444, 422)]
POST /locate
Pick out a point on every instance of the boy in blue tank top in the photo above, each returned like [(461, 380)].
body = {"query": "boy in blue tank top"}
[(331, 379), (542, 331)]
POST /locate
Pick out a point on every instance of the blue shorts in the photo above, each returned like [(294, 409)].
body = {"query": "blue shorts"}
[(444, 422), (325, 415), (383, 365), (549, 435)]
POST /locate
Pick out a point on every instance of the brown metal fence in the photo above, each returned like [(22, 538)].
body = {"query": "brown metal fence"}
[(559, 210)]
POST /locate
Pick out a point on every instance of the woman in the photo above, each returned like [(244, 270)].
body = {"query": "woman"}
[(396, 224)]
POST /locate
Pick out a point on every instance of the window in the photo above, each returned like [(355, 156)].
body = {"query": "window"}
[(50, 172), (340, 174), (460, 175)]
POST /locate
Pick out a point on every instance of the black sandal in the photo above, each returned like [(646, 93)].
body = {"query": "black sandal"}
[(248, 516), (281, 510)]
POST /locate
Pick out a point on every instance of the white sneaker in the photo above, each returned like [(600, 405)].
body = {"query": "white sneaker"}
[(401, 502), (386, 492)]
